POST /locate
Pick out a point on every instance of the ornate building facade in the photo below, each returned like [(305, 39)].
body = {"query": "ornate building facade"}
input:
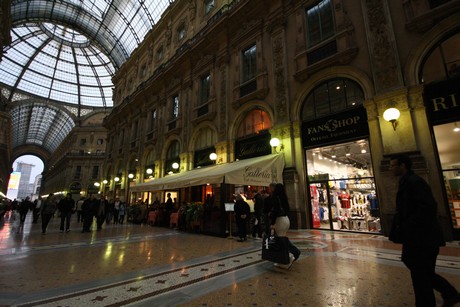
[(225, 77), (76, 165)]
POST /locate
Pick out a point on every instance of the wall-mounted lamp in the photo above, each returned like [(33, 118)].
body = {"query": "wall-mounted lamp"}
[(149, 171), (97, 184), (105, 181), (130, 175), (456, 128), (175, 165), (213, 156), (116, 179), (391, 115), (275, 143)]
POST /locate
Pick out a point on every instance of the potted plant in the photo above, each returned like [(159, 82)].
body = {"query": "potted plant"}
[(194, 215)]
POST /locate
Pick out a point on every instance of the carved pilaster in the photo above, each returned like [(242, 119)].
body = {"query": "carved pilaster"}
[(279, 68), (385, 64), (223, 103)]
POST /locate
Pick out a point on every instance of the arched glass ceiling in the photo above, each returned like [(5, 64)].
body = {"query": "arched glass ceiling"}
[(69, 50), (37, 123)]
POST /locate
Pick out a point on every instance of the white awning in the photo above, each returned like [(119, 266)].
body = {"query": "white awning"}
[(259, 171)]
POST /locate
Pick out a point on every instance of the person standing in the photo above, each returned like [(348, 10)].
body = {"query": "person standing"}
[(87, 210), (242, 211), (168, 209), (36, 211), (100, 213), (121, 212), (417, 228), (278, 211), (258, 208), (48, 208), (79, 209), (23, 207), (265, 220), (66, 207), (116, 208)]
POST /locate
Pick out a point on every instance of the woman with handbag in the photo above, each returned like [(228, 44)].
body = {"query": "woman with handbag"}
[(279, 220)]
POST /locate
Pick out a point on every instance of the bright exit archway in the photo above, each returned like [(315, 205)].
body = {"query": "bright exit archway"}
[(25, 180)]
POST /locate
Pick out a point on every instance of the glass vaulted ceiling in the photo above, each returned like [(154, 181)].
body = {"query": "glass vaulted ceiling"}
[(68, 50)]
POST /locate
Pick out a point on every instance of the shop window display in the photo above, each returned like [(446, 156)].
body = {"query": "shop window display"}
[(448, 148), (342, 188)]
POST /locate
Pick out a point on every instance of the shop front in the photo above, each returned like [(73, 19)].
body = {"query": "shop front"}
[(340, 177), (442, 101), (213, 186)]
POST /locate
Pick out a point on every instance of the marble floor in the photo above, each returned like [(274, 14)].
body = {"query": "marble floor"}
[(140, 265)]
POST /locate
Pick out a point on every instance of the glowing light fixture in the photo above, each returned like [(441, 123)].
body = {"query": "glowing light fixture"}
[(213, 156), (149, 171), (116, 179), (175, 165), (391, 115), (130, 176), (275, 143)]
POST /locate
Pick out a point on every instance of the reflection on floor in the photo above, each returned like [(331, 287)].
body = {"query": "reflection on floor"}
[(140, 265)]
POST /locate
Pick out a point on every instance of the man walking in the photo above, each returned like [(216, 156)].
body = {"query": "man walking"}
[(416, 226), (66, 207)]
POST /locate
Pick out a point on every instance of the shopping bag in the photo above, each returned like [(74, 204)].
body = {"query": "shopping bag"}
[(275, 249)]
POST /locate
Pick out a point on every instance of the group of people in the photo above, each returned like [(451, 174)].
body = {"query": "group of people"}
[(271, 215), (94, 207), (102, 210)]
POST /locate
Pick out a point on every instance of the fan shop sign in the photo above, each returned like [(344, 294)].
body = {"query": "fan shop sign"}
[(343, 126)]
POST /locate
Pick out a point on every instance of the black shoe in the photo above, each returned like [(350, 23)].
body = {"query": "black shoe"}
[(240, 240), (451, 301), (297, 256)]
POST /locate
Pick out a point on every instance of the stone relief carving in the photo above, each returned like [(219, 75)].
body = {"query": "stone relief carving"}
[(223, 103), (280, 80), (383, 52)]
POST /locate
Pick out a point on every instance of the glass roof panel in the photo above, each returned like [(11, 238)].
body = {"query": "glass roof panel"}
[(68, 51)]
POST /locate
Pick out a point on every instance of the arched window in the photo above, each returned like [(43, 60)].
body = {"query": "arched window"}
[(443, 62), (204, 146), (206, 139), (172, 156), (254, 122), (331, 97)]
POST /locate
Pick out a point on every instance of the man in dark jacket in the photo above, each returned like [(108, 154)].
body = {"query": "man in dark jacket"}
[(417, 228), (66, 207), (242, 211)]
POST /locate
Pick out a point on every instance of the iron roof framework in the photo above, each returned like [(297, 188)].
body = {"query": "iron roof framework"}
[(67, 51)]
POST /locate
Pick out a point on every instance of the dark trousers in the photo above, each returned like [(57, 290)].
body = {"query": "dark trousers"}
[(99, 221), (65, 217), (421, 262), (87, 221), (79, 217), (115, 216), (256, 229), (242, 228), (293, 249), (36, 213), (46, 217)]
